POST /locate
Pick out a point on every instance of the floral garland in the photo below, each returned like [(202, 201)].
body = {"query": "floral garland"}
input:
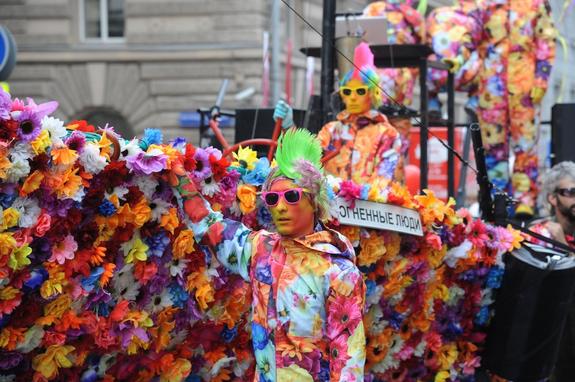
[(101, 280)]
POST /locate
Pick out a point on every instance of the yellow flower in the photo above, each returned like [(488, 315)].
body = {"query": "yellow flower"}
[(138, 252), (41, 143), (105, 146), (10, 218), (7, 244), (442, 376), (8, 293), (184, 244), (447, 355), (48, 363), (59, 306), (372, 249), (247, 196), (142, 212), (5, 164), (293, 373), (55, 282), (170, 220), (19, 258), (245, 157)]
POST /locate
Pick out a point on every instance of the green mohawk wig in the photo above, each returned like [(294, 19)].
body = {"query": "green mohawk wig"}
[(298, 157)]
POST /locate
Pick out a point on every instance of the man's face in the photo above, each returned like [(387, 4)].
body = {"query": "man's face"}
[(356, 97), (563, 201), (292, 219)]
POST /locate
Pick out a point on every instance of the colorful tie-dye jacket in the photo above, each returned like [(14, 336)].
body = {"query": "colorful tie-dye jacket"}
[(308, 295), (369, 146)]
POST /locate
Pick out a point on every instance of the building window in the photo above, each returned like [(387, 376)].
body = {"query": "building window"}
[(102, 20), (100, 117)]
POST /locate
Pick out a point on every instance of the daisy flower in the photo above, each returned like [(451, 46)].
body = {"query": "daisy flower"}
[(146, 184), (245, 158), (76, 141), (160, 301), (159, 208), (30, 124), (55, 128), (147, 162), (5, 104), (29, 211), (129, 148), (177, 266), (64, 250), (203, 169), (91, 159), (209, 187)]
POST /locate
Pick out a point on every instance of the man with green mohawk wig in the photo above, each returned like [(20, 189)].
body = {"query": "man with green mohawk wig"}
[(308, 294)]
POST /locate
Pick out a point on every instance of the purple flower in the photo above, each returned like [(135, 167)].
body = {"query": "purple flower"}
[(146, 163), (76, 141), (5, 105), (203, 169), (10, 359), (30, 125)]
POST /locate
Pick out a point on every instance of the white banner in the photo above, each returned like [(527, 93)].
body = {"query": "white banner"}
[(380, 216)]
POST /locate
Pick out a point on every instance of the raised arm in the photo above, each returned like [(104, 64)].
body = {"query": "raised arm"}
[(344, 310), (230, 240)]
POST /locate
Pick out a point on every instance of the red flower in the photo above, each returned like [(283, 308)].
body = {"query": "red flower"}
[(189, 161), (478, 234), (219, 167), (81, 125)]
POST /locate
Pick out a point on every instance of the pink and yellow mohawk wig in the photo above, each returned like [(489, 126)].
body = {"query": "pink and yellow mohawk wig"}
[(365, 72)]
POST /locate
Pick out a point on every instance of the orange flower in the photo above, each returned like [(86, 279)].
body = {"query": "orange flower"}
[(184, 244), (204, 295), (432, 209), (223, 375), (97, 256), (178, 371), (170, 220), (105, 146), (372, 249), (11, 337), (247, 196), (71, 182), (161, 332), (5, 163), (32, 183), (215, 355), (296, 348), (144, 272), (64, 156), (142, 212), (108, 274)]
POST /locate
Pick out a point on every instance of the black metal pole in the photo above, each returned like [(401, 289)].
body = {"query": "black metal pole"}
[(451, 134), (327, 58), (423, 133), (485, 186)]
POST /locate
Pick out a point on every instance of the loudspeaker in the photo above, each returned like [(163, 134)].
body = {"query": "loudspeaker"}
[(259, 123), (562, 132)]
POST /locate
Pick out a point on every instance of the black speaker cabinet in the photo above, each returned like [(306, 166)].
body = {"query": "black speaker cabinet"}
[(562, 132), (259, 123)]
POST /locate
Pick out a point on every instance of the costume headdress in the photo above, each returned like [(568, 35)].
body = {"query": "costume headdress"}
[(365, 71), (298, 158)]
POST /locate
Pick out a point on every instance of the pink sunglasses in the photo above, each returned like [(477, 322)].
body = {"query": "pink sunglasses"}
[(291, 196)]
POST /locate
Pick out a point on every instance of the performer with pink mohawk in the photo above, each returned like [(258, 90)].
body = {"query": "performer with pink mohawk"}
[(368, 145)]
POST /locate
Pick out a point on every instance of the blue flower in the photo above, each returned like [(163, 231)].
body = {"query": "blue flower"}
[(364, 191), (264, 217), (178, 294), (228, 335), (89, 283), (259, 174), (323, 375), (157, 243), (370, 286), (7, 199), (89, 375), (151, 137), (482, 316), (107, 208), (193, 378), (37, 277), (494, 277), (259, 336)]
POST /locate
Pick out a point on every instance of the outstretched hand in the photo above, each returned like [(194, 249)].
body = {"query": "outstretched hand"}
[(285, 112)]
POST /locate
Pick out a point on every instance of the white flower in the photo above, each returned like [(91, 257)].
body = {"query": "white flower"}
[(55, 128), (130, 292), (177, 266), (146, 184), (91, 159), (29, 211), (333, 182), (79, 195), (18, 170), (129, 148), (159, 208), (222, 362), (160, 301), (22, 151), (124, 277), (420, 348), (460, 252), (209, 187), (235, 209), (373, 299), (119, 191), (32, 339), (455, 294)]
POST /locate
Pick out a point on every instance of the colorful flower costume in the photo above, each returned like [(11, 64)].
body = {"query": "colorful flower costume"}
[(518, 50), (369, 146), (454, 33), (308, 296)]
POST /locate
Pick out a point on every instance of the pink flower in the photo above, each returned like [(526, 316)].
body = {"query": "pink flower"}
[(338, 353), (350, 192), (433, 240), (64, 250), (478, 234), (343, 313)]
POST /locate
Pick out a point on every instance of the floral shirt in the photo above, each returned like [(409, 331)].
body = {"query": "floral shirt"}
[(540, 227), (308, 295), (369, 146)]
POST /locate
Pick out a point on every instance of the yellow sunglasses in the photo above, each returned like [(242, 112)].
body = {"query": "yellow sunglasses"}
[(360, 90)]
